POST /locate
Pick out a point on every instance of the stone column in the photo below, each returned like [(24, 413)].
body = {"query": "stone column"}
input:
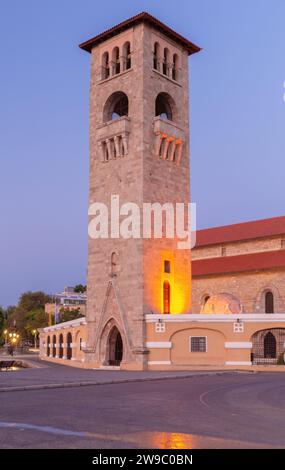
[(43, 344), (109, 149), (157, 143), (178, 152), (159, 63), (172, 149), (170, 68), (117, 146), (73, 351), (122, 63), (112, 68), (125, 144), (57, 348), (64, 347), (165, 148)]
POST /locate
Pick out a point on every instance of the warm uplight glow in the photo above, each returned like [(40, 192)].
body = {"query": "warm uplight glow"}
[(166, 297), (171, 440), (178, 279)]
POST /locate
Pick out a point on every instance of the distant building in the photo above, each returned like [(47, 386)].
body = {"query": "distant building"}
[(67, 300)]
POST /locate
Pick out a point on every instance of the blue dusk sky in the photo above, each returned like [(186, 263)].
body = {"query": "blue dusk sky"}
[(237, 124)]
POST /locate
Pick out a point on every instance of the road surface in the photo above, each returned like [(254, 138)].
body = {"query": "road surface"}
[(219, 411)]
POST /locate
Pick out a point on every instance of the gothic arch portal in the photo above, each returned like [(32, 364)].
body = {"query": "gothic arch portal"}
[(115, 347), (112, 344)]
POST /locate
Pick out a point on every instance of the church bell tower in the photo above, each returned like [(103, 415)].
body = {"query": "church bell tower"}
[(139, 153)]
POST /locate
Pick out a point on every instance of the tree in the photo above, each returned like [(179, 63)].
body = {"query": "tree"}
[(34, 320), (29, 314), (33, 300), (66, 314), (80, 289)]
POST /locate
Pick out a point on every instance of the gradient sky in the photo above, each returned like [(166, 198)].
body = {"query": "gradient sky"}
[(237, 124)]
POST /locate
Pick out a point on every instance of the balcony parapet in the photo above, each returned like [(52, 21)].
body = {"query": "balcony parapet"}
[(169, 139), (112, 138)]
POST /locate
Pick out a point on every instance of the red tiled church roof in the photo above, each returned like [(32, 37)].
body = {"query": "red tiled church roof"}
[(243, 231), (234, 264), (141, 17)]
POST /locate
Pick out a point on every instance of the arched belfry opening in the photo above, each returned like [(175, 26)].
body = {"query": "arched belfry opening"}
[(116, 106), (115, 347), (164, 105)]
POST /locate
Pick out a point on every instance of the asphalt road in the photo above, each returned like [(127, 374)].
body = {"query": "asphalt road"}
[(226, 411)]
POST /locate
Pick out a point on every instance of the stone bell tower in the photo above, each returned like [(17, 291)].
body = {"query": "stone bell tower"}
[(139, 153)]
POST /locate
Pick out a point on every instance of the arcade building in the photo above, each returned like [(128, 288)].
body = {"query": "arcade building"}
[(150, 305)]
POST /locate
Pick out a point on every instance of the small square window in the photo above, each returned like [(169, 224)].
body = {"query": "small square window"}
[(167, 266), (160, 327), (198, 344)]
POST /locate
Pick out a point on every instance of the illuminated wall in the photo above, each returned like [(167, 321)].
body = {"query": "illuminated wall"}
[(179, 279)]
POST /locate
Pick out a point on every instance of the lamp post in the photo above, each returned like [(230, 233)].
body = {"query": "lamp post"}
[(35, 332), (6, 336), (13, 340)]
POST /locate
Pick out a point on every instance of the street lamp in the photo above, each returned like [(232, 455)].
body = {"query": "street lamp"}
[(35, 332), (12, 339), (6, 336)]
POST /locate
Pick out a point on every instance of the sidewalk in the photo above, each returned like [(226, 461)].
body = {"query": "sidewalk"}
[(45, 375)]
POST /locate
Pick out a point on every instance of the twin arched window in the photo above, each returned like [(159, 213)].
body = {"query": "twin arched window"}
[(175, 67), (116, 61), (156, 55), (165, 63), (119, 62), (127, 55), (105, 66)]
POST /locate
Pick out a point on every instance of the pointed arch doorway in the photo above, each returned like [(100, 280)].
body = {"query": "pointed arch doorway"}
[(115, 347)]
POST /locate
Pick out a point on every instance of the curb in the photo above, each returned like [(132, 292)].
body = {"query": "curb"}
[(113, 382)]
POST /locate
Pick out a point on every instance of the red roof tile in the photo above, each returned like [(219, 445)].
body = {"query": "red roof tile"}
[(141, 17), (234, 264), (243, 231)]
